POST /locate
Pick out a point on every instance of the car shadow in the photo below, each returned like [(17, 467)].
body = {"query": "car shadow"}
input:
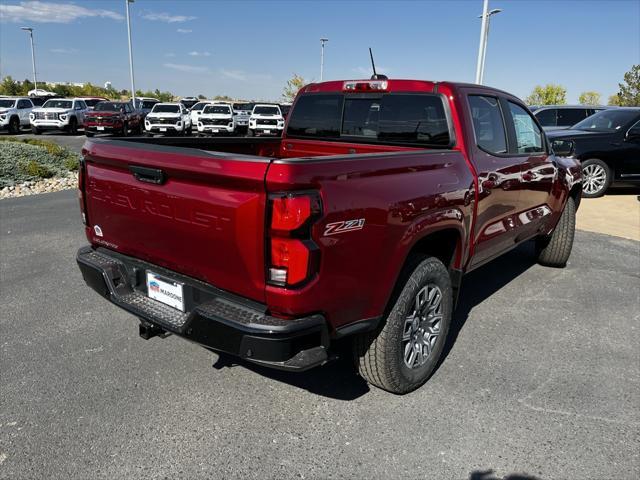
[(490, 475), (339, 380)]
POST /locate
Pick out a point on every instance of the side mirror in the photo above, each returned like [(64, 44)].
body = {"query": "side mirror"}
[(563, 148), (633, 134)]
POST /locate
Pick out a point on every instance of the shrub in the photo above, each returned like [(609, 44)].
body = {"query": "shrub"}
[(25, 161)]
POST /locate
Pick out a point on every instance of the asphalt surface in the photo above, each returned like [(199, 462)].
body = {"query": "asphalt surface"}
[(72, 142), (541, 380)]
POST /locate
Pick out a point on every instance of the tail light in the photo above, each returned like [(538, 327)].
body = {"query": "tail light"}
[(81, 199), (293, 256)]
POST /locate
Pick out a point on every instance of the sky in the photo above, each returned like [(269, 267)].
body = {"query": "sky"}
[(249, 49)]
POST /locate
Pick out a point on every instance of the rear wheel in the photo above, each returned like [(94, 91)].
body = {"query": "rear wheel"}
[(36, 130), (401, 355), (14, 125), (554, 250), (596, 178)]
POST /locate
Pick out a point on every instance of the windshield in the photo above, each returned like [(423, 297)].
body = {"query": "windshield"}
[(217, 109), (92, 102), (108, 107), (607, 120), (266, 111), (243, 106), (7, 103), (57, 104), (199, 106), (148, 104), (166, 109)]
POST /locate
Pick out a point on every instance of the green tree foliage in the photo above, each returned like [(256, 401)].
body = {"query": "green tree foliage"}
[(589, 98), (550, 94), (224, 98), (629, 94), (10, 87), (292, 87), (614, 100)]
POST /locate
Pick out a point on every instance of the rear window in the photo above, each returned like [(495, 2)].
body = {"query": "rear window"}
[(415, 119)]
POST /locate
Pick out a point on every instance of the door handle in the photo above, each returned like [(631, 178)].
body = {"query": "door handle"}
[(148, 175)]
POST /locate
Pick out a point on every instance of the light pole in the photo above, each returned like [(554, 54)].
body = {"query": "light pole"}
[(322, 42), (33, 57), (133, 83), (484, 39)]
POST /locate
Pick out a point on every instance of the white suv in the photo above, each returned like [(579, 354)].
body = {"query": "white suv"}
[(217, 118), (266, 119), (166, 118), (59, 114), (14, 113)]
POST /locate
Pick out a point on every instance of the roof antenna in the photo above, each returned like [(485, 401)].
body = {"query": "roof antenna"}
[(375, 76)]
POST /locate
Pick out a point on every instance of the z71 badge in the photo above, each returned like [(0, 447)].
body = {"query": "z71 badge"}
[(345, 226)]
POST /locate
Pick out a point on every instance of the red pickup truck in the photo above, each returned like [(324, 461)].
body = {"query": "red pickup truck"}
[(359, 222)]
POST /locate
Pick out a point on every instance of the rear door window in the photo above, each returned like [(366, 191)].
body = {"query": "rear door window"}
[(547, 118), (488, 124), (570, 116)]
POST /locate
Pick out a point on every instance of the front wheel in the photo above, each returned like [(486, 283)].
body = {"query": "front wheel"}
[(88, 133), (596, 178), (14, 125), (73, 126), (401, 355), (554, 250), (36, 131)]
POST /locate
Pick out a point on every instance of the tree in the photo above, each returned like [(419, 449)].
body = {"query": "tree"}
[(629, 93), (589, 98), (224, 98), (550, 94), (614, 100), (10, 87), (201, 97), (292, 87)]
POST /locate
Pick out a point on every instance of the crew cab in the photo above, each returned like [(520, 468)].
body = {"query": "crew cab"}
[(118, 118), (14, 113), (266, 120), (357, 225), (65, 114), (217, 118), (607, 145), (168, 118)]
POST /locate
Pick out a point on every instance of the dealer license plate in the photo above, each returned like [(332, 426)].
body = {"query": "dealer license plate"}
[(267, 131), (215, 130), (165, 291), (100, 128), (163, 129)]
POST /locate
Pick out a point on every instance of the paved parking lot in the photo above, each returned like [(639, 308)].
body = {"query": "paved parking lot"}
[(542, 378)]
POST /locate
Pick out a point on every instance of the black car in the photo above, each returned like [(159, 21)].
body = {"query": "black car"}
[(608, 146), (559, 117)]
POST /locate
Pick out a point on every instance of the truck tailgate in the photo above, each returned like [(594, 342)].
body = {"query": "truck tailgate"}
[(204, 218)]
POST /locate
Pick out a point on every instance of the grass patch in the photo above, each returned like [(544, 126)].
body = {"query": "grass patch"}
[(30, 159)]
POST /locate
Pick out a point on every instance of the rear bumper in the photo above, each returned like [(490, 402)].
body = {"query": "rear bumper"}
[(215, 319)]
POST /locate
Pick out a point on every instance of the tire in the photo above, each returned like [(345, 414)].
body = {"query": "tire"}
[(14, 125), (554, 250), (125, 130), (36, 131), (73, 126), (88, 133), (596, 178), (189, 130), (250, 133), (393, 357)]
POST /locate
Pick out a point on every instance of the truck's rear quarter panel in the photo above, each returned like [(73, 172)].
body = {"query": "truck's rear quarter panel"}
[(402, 196)]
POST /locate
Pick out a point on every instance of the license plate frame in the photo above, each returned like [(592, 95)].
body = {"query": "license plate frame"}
[(165, 290)]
